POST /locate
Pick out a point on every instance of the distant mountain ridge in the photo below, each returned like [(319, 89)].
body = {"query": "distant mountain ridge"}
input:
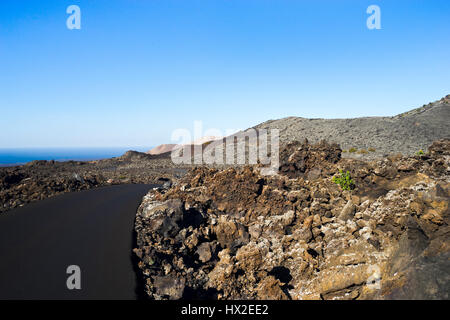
[(406, 133), (368, 137)]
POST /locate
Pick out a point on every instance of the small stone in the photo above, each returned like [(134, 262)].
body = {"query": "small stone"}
[(169, 286), (255, 231), (204, 252), (303, 234), (347, 212)]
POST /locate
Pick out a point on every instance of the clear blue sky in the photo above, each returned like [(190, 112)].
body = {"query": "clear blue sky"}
[(139, 69)]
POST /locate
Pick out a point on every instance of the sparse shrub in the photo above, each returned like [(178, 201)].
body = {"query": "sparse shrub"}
[(420, 152), (362, 151), (344, 151), (352, 150), (371, 149), (344, 180)]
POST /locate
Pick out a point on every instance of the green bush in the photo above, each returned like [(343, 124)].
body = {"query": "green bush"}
[(344, 180), (420, 152), (352, 150), (371, 149)]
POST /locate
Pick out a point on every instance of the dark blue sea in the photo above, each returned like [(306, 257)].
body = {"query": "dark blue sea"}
[(16, 156)]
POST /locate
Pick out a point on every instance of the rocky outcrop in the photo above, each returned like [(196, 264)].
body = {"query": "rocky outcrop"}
[(310, 160), (235, 234)]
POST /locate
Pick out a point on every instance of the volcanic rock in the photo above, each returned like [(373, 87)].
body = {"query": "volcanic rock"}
[(290, 236)]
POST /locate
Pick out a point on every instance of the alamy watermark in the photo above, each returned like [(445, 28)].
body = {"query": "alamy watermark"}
[(252, 146), (74, 20), (374, 20), (73, 282)]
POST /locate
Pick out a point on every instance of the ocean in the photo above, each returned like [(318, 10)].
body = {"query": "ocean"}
[(17, 156)]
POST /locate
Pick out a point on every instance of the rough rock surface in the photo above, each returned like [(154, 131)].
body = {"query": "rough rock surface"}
[(310, 160), (235, 234)]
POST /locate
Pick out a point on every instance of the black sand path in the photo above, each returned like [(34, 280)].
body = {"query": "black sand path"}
[(92, 229)]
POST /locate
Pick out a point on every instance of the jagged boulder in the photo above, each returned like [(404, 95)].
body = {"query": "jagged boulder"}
[(309, 160), (163, 218)]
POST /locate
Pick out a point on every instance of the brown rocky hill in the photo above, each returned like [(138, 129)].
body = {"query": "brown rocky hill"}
[(166, 148), (406, 133), (302, 234), (162, 148)]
